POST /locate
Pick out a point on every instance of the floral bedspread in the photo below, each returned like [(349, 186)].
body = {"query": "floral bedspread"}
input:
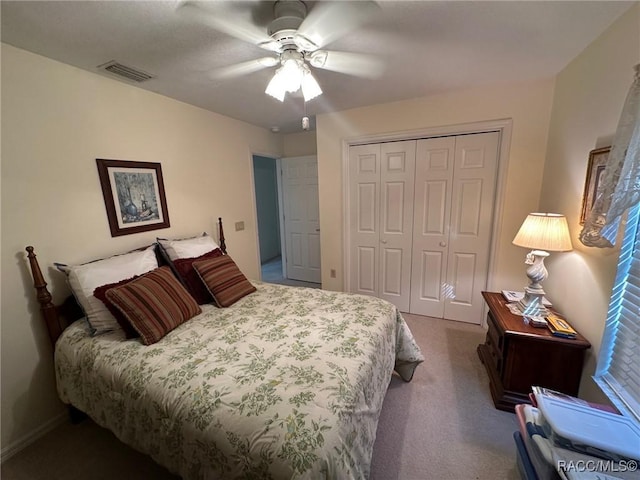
[(286, 383)]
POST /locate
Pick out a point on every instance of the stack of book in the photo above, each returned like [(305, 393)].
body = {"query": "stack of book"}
[(563, 437), (559, 326)]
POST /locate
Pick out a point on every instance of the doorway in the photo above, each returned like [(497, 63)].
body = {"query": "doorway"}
[(269, 197), (265, 177)]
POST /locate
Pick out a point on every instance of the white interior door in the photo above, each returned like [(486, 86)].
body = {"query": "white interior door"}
[(397, 168), (455, 190), (381, 220), (301, 218)]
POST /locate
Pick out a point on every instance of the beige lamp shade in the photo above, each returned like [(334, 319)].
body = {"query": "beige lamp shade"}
[(544, 231)]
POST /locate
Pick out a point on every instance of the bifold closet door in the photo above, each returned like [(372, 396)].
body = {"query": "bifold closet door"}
[(455, 192), (433, 187), (381, 220), (364, 218)]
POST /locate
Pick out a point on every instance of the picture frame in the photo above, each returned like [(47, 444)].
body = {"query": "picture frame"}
[(598, 159), (134, 196)]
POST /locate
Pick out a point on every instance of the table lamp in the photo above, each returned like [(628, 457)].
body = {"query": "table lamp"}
[(542, 232)]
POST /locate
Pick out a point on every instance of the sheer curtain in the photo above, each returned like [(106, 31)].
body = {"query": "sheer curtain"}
[(620, 187)]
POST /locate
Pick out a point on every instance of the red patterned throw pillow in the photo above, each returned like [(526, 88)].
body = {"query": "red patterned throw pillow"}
[(191, 279), (101, 294), (154, 304), (224, 280)]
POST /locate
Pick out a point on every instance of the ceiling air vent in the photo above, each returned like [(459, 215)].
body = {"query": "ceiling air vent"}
[(115, 68)]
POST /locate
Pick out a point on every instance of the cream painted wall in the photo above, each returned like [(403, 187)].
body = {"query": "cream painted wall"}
[(299, 144), (529, 107), (589, 96), (56, 120)]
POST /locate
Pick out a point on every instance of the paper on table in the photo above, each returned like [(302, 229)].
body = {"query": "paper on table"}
[(513, 296)]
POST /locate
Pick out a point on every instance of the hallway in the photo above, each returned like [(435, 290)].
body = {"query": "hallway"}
[(272, 273)]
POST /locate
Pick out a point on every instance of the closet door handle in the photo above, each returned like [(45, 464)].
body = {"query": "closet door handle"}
[(443, 244), (383, 241)]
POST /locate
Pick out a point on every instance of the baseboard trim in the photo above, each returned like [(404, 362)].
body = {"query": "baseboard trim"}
[(10, 450)]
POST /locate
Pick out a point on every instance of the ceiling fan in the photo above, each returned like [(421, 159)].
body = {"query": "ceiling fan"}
[(295, 37)]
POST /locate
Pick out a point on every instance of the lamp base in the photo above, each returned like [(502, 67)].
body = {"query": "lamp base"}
[(531, 305)]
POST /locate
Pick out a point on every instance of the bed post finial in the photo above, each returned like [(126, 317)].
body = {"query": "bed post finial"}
[(47, 308), (223, 246)]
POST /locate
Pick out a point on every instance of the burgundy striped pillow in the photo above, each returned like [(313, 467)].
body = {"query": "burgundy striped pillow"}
[(224, 280), (191, 279), (101, 294), (155, 303)]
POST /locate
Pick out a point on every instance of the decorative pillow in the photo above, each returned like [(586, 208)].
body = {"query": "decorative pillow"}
[(154, 304), (190, 278), (84, 279), (187, 247), (224, 279), (101, 294)]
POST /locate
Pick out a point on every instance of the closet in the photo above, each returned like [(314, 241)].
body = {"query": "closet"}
[(420, 222)]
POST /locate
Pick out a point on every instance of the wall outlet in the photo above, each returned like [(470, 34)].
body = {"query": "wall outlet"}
[(333, 273), (239, 226)]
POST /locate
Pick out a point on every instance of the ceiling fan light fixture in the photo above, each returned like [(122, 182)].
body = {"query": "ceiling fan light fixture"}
[(310, 87), (291, 73), (275, 88), (286, 79), (291, 76)]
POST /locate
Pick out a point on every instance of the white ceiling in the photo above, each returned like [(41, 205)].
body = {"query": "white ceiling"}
[(427, 47)]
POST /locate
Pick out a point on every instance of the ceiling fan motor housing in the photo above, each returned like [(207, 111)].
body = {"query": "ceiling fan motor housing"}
[(289, 15)]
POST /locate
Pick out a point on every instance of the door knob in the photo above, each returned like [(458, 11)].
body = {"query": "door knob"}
[(383, 241), (317, 229), (443, 244)]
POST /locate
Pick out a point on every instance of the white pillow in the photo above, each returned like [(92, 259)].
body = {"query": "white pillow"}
[(85, 278), (188, 247)]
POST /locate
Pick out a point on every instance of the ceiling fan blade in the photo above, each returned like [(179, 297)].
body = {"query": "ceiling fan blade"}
[(357, 64), (328, 21), (226, 22), (243, 68)]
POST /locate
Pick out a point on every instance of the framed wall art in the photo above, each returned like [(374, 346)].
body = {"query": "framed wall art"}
[(597, 163), (133, 196)]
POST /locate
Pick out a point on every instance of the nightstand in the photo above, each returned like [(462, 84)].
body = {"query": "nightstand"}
[(518, 356)]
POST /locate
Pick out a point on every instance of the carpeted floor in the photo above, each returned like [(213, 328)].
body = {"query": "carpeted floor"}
[(442, 425)]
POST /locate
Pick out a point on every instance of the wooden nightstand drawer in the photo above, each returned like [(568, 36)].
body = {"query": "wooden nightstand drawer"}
[(493, 345), (495, 335)]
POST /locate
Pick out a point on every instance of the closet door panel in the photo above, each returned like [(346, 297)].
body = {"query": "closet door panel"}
[(364, 218), (463, 268), (430, 274), (433, 180), (391, 272), (473, 192), (396, 217), (366, 271)]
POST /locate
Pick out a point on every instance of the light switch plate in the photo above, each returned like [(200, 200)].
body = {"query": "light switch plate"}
[(239, 226)]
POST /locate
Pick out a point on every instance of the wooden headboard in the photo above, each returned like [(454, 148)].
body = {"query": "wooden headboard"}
[(59, 317)]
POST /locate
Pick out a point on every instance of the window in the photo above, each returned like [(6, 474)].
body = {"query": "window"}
[(618, 371)]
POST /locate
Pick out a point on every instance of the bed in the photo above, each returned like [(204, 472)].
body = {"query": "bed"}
[(287, 382)]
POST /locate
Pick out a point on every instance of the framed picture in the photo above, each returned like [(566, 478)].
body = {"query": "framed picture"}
[(133, 196), (597, 163)]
